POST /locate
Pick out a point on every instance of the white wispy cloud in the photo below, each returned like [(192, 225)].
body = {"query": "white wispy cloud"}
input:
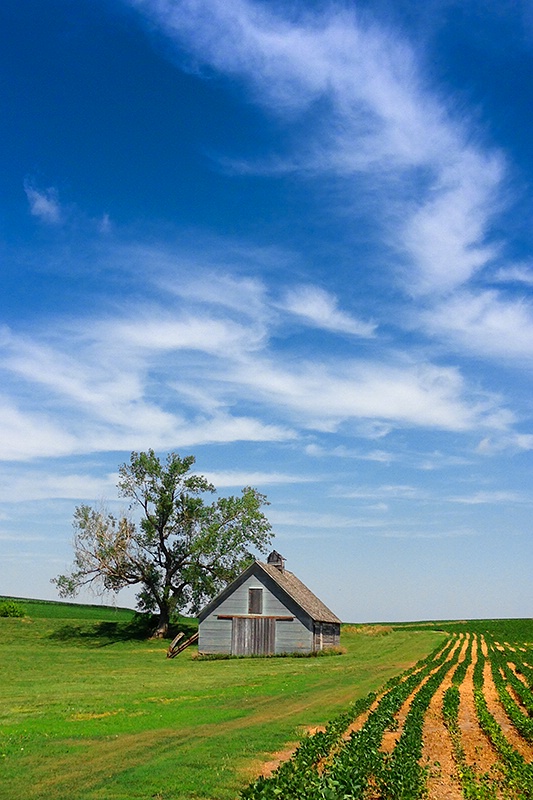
[(229, 428), (485, 323), (104, 224), (36, 484), (341, 451), (386, 492), (439, 460), (430, 461), (383, 119), (91, 388), (445, 237), (157, 330), (257, 479), (505, 440), (320, 309), (323, 395), (91, 384), (489, 497), (327, 522), (243, 295), (44, 204), (516, 273), (26, 435), (455, 533)]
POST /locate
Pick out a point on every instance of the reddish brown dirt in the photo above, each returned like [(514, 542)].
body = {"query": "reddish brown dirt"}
[(390, 738), (514, 694), (358, 723), (277, 758), (443, 782), (284, 755), (268, 767), (479, 753)]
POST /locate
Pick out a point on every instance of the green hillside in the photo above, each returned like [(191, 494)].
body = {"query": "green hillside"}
[(53, 609)]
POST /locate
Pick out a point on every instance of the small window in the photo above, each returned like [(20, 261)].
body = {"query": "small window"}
[(255, 601)]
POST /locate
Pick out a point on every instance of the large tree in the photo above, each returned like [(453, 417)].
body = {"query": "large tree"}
[(179, 548)]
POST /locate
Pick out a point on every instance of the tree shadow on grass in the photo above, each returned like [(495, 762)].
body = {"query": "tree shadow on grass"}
[(105, 632)]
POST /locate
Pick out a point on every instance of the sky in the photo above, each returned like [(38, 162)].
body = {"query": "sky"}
[(294, 240)]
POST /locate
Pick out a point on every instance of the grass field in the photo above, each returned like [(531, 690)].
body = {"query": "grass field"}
[(89, 713)]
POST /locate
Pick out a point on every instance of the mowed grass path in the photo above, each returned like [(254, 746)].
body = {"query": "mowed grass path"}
[(87, 714)]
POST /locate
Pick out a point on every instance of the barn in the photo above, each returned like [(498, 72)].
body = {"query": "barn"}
[(265, 611)]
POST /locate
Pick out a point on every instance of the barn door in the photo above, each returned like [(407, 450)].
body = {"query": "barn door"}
[(253, 636)]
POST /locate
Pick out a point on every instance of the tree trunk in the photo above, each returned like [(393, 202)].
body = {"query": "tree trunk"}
[(161, 631)]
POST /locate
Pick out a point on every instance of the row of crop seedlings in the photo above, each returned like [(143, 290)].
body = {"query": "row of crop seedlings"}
[(523, 661), (474, 785), (329, 765), (517, 772), (505, 679)]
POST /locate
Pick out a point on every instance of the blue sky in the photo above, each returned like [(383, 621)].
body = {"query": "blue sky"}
[(294, 240)]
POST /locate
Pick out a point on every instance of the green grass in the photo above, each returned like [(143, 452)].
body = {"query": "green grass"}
[(89, 713)]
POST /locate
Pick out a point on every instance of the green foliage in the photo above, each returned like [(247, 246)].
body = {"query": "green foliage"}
[(9, 608), (181, 550)]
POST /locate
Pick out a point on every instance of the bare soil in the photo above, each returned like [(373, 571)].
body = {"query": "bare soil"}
[(391, 737), (443, 781), (479, 753)]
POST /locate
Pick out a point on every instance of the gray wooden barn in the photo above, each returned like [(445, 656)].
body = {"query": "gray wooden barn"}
[(266, 611)]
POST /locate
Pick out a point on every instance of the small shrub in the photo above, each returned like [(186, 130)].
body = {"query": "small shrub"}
[(328, 651), (8, 608)]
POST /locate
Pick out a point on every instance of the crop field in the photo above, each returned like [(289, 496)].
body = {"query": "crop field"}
[(89, 710), (458, 724)]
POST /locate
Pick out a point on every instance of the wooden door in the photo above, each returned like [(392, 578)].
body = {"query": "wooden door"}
[(253, 636), (318, 642)]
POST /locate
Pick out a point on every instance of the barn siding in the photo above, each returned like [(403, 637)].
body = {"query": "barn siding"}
[(215, 635), (290, 636), (326, 634), (293, 637)]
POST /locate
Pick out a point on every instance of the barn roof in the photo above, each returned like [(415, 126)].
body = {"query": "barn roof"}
[(289, 583), (299, 592)]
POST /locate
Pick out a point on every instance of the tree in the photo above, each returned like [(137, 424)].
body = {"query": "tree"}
[(181, 550)]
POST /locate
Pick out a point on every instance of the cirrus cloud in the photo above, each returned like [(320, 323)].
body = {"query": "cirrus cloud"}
[(44, 204), (320, 309)]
